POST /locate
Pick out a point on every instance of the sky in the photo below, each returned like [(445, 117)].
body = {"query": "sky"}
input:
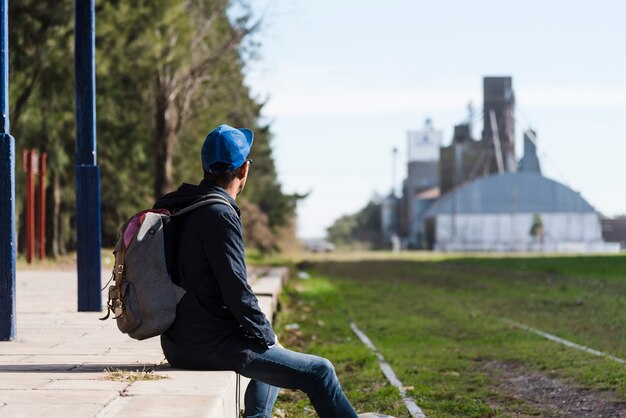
[(345, 80)]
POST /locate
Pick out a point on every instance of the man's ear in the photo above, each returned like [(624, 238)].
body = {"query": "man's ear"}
[(204, 173), (243, 171)]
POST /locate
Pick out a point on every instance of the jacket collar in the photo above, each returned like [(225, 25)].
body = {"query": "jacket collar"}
[(209, 186)]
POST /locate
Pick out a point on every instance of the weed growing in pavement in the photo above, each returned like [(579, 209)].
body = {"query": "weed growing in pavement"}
[(122, 375)]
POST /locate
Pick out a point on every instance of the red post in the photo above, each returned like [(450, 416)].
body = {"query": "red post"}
[(30, 205), (41, 212)]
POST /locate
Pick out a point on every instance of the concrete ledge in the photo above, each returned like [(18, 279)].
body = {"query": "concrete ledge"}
[(269, 286), (166, 406), (282, 272), (181, 393), (60, 361), (268, 307)]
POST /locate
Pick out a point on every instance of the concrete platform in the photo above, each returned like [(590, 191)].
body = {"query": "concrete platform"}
[(268, 287), (61, 362)]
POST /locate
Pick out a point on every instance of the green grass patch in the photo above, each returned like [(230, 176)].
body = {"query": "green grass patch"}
[(313, 320), (436, 321)]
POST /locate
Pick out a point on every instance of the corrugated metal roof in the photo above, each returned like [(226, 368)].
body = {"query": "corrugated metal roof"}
[(511, 192)]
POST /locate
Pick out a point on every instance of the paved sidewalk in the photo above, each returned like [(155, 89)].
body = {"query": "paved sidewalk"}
[(57, 366)]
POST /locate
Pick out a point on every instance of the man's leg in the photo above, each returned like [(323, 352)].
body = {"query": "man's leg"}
[(259, 399), (313, 375)]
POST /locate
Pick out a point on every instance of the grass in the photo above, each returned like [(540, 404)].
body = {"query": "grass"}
[(437, 321), (122, 375)]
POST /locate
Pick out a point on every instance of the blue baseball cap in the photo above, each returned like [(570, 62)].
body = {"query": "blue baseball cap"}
[(226, 145)]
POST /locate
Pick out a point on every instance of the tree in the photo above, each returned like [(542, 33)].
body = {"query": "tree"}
[(362, 227), (168, 71), (341, 233), (42, 101), (182, 46), (536, 229)]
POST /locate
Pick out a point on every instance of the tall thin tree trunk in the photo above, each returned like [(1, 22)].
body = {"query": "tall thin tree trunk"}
[(160, 170), (165, 136), (164, 148)]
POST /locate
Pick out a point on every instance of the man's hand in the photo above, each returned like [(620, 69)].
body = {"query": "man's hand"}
[(276, 342)]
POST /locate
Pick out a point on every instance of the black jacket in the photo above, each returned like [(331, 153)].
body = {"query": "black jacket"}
[(218, 322)]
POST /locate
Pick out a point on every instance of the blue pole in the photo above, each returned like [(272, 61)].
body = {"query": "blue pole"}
[(7, 190), (87, 171)]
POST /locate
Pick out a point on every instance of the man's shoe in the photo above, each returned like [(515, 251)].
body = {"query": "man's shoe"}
[(373, 415)]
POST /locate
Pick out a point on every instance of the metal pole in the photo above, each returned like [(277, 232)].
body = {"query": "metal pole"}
[(394, 155), (41, 206), (7, 190), (87, 171), (30, 204)]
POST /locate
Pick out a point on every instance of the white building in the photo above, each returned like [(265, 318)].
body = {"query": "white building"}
[(421, 186), (424, 145), (497, 213)]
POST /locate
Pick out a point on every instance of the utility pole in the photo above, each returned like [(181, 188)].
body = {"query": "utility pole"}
[(8, 241), (394, 157), (41, 205), (87, 171)]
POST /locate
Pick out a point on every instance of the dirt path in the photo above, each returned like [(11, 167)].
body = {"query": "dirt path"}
[(551, 396)]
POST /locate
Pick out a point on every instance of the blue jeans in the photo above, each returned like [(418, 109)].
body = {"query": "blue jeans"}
[(280, 368)]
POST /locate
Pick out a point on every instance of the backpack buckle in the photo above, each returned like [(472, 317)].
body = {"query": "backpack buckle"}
[(115, 302), (117, 306)]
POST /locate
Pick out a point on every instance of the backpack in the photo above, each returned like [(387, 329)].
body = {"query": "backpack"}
[(144, 298)]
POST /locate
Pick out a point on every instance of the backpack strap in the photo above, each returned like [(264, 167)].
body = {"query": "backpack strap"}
[(209, 199), (119, 274)]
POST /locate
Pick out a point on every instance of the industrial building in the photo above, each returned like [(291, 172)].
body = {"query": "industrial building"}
[(421, 186), (473, 195), (497, 213), (614, 230)]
